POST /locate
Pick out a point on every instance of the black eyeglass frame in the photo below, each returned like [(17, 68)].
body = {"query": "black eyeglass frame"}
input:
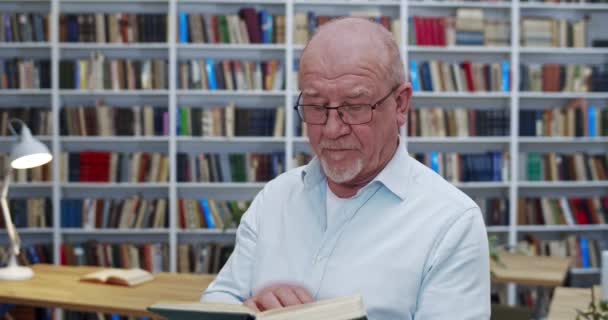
[(372, 106)]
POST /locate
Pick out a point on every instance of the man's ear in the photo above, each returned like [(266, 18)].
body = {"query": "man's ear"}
[(404, 97)]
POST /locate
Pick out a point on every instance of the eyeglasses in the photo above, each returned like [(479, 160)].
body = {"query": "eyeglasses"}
[(349, 113)]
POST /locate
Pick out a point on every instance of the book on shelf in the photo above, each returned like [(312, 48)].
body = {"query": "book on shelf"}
[(207, 213), (584, 252), (467, 28), (301, 158), (342, 308), (24, 27), (113, 27), (152, 257), (229, 167), (552, 77), (133, 212), (38, 119), (455, 167), (562, 211), (307, 23), (123, 277), (25, 74), (104, 120), (99, 73), (547, 32), (458, 122), (104, 166), (554, 166), (213, 74), (495, 211), (439, 76), (577, 118), (29, 254), (38, 174), (206, 257), (246, 26), (29, 213), (231, 121)]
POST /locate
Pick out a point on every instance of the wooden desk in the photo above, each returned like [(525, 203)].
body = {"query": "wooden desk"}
[(567, 300), (58, 287), (530, 271)]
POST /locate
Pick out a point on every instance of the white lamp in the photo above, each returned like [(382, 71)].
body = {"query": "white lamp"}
[(26, 153)]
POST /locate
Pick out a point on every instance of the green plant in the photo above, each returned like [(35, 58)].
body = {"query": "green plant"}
[(595, 311)]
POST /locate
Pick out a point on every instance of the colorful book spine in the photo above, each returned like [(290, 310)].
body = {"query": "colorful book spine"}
[(506, 76), (183, 27), (210, 66), (592, 119), (207, 213), (414, 75)]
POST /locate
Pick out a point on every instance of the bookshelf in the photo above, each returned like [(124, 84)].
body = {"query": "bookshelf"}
[(172, 98)]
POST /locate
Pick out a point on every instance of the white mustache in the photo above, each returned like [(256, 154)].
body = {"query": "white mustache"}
[(329, 144)]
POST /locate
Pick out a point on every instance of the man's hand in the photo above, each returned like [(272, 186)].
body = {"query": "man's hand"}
[(278, 296)]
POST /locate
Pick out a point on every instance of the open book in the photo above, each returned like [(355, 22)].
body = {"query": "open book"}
[(125, 277), (344, 308)]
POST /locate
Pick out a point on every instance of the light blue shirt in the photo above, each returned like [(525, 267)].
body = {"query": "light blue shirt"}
[(410, 243)]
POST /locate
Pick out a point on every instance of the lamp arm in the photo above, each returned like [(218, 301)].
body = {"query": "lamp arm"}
[(10, 227), (11, 128)]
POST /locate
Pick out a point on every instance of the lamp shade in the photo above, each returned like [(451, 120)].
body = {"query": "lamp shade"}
[(28, 152)]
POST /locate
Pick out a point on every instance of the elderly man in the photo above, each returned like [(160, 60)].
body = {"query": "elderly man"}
[(362, 217)]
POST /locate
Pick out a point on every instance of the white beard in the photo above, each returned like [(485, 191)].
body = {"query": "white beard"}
[(342, 174)]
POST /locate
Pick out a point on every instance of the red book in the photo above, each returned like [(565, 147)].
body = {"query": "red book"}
[(215, 25), (144, 167), (418, 30), (147, 257), (182, 213), (434, 28), (468, 72), (252, 22), (427, 31), (580, 214), (442, 37), (386, 22)]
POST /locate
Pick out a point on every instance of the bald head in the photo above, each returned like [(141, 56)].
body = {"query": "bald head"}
[(359, 41)]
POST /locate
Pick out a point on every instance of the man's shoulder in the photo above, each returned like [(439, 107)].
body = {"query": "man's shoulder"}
[(427, 184)]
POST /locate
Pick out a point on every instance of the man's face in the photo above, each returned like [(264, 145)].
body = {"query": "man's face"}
[(349, 152)]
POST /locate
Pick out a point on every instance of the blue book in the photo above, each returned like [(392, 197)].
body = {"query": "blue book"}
[(210, 66), (115, 317), (207, 213), (592, 118), (183, 27), (32, 254), (312, 22), (414, 75), (266, 21), (585, 255), (435, 161), (496, 166), (178, 122), (427, 82), (8, 28), (506, 76)]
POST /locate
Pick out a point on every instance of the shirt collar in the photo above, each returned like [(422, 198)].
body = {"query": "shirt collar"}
[(394, 176)]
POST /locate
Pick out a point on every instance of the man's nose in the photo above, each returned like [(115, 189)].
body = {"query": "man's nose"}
[(335, 127)]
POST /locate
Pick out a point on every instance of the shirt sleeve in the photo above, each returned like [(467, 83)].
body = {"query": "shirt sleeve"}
[(233, 283), (456, 284)]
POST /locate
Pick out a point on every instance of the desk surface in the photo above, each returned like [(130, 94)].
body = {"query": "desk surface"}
[(533, 271), (567, 300), (58, 286)]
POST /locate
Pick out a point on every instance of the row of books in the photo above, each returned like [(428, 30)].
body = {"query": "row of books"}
[(562, 211), (563, 167), (113, 27), (96, 213), (307, 23), (25, 74), (584, 251), (29, 213), (439, 76), (568, 78), (459, 122), (210, 213), (30, 254), (38, 120), (468, 27), (229, 167), (576, 119), (495, 211), (103, 120), (231, 121), (208, 258), (103, 166), (211, 74), (39, 174), (547, 32), (24, 27), (248, 26), (455, 167), (113, 74), (152, 257)]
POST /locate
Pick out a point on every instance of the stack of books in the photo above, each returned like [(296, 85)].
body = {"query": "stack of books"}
[(563, 167), (438, 76), (458, 122), (566, 78), (113, 27), (455, 167), (38, 120), (211, 74), (576, 119), (150, 257), (25, 74), (210, 213), (29, 213), (495, 210), (24, 27), (562, 211), (584, 252), (103, 166), (547, 32), (208, 258), (38, 174), (229, 167), (103, 120)]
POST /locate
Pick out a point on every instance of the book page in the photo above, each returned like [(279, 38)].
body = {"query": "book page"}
[(343, 308)]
